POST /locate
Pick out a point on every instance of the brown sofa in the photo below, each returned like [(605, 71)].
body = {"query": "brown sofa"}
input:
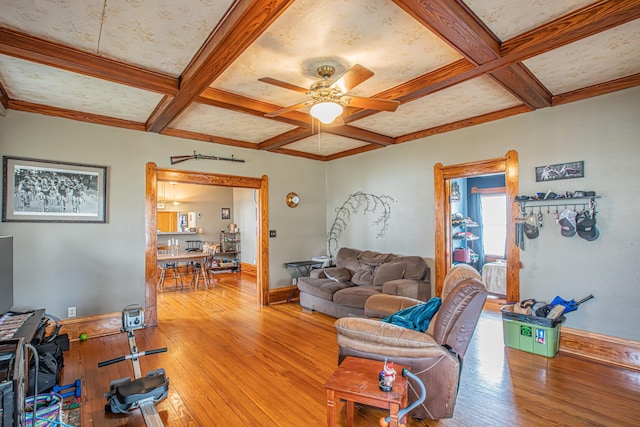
[(343, 290), (435, 356)]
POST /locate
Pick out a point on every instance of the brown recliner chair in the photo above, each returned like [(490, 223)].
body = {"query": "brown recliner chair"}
[(436, 355)]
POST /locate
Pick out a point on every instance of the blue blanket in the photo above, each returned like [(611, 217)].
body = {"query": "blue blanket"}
[(416, 317)]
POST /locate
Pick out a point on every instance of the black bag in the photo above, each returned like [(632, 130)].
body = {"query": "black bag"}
[(48, 374)]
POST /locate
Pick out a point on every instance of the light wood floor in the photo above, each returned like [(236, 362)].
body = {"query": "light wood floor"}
[(233, 363)]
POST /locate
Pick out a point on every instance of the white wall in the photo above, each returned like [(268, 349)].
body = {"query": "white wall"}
[(99, 268), (603, 131)]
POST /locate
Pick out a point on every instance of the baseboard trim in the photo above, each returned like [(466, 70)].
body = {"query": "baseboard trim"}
[(279, 295), (601, 348), (251, 269), (94, 326)]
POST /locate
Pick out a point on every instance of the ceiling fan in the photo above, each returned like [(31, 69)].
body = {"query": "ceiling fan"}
[(328, 98)]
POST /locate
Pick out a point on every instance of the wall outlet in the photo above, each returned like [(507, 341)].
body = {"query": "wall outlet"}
[(71, 312), (294, 281)]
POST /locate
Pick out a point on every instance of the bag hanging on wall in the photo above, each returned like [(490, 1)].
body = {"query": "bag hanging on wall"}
[(462, 255)]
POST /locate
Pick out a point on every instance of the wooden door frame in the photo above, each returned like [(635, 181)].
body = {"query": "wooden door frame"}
[(155, 174), (442, 191)]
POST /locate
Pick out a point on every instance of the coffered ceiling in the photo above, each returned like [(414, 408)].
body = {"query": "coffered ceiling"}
[(191, 68)]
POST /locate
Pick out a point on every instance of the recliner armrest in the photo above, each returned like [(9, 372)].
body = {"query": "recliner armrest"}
[(383, 305)]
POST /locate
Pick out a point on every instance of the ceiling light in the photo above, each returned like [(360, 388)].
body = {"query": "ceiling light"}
[(326, 111)]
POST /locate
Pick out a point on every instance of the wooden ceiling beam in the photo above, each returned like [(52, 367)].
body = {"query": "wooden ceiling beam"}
[(208, 138), (472, 121), (243, 104), (598, 89), (4, 100), (246, 105), (457, 25), (585, 22), (518, 80), (48, 110), (245, 21), (464, 31), (286, 138), (30, 48)]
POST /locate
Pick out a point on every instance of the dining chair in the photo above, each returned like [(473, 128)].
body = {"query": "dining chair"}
[(169, 266)]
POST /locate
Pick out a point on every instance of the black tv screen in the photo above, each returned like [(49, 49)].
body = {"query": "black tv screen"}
[(6, 273)]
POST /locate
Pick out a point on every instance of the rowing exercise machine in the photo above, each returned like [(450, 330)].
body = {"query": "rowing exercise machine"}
[(126, 395)]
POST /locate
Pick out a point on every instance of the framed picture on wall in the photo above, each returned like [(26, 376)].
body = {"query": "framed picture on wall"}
[(51, 191), (226, 213), (560, 171)]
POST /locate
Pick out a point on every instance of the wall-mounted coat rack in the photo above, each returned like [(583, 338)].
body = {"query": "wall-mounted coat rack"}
[(587, 203)]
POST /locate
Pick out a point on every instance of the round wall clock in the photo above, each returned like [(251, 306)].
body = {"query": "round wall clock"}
[(292, 200)]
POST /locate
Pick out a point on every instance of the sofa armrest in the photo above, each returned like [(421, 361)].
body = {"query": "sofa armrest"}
[(411, 288), (317, 273), (382, 305)]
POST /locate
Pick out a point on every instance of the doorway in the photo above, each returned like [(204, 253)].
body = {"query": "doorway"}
[(443, 176), (155, 174)]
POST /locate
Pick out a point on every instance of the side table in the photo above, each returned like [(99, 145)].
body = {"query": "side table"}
[(356, 380)]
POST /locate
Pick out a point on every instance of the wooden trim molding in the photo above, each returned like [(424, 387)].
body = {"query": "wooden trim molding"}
[(600, 348), (155, 174), (282, 294), (94, 326), (444, 252), (250, 269)]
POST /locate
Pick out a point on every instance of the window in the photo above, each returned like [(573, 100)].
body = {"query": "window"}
[(494, 219)]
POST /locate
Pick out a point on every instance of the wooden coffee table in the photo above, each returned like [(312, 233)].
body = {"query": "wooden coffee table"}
[(356, 380)]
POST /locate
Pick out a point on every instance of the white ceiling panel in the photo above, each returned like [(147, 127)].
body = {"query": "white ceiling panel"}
[(606, 56), (74, 23), (509, 18), (39, 84), (373, 33), (325, 144), (472, 98), (160, 35), (228, 124), (152, 42)]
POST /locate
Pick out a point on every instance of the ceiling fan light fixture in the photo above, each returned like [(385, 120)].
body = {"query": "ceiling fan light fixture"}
[(326, 111)]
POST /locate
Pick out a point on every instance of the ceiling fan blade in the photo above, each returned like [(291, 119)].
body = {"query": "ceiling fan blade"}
[(352, 78), (283, 84), (289, 108), (373, 103)]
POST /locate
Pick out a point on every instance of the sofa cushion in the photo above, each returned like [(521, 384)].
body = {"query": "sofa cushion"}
[(355, 296), (321, 288), (347, 258), (373, 258), (339, 274), (362, 278), (416, 267), (388, 271)]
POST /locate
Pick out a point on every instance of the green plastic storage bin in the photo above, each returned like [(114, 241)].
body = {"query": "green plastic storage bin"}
[(537, 335)]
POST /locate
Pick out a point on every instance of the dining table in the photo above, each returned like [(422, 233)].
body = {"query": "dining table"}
[(199, 256)]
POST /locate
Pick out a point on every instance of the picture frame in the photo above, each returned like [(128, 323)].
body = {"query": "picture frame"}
[(567, 170), (37, 190), (225, 213)]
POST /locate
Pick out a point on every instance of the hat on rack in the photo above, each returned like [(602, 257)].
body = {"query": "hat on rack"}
[(587, 228), (567, 223), (531, 226)]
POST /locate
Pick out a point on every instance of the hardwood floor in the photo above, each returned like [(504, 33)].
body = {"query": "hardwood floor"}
[(234, 363)]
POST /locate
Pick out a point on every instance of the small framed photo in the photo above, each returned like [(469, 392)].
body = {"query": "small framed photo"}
[(560, 171), (50, 191), (226, 213)]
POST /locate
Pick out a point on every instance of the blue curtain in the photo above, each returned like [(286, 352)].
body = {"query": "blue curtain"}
[(475, 212)]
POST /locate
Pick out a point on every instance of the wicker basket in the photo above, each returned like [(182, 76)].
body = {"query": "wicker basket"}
[(48, 408)]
